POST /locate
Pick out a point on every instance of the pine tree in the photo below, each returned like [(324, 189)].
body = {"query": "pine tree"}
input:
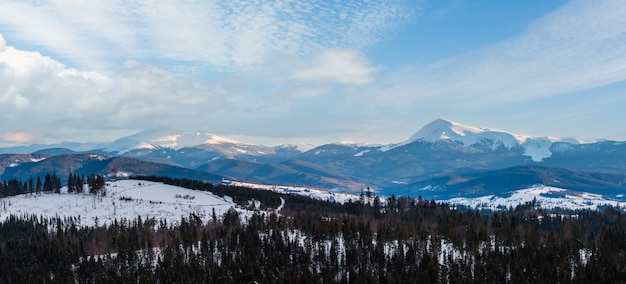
[(56, 183), (38, 187), (71, 186), (79, 181), (47, 183), (96, 183)]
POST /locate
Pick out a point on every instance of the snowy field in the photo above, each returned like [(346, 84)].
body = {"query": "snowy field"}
[(124, 199), (547, 197), (314, 193), (128, 199)]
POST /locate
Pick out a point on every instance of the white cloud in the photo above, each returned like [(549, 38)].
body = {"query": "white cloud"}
[(131, 49), (16, 137), (307, 50), (577, 47), (227, 35), (37, 92), (3, 43), (337, 66), (571, 59)]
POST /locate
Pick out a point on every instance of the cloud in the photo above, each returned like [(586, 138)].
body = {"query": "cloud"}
[(16, 137), (225, 35), (112, 65), (80, 33), (283, 60), (337, 66), (3, 43), (577, 47), (38, 92), (573, 58)]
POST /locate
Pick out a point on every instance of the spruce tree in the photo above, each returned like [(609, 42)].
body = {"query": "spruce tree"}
[(38, 187)]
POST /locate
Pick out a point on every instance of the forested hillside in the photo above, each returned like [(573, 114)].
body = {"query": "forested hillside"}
[(403, 240)]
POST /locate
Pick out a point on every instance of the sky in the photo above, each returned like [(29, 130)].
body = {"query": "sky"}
[(301, 71)]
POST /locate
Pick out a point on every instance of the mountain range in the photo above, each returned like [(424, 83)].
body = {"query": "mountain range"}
[(444, 159)]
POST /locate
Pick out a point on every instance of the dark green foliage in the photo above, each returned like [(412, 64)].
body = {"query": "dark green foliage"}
[(96, 183), (75, 183), (312, 241)]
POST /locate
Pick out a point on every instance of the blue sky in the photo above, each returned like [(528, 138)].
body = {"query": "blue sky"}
[(274, 72)]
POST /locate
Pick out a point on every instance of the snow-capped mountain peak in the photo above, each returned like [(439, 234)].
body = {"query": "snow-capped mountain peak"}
[(166, 138), (537, 148), (199, 138), (442, 129), (351, 143), (301, 147)]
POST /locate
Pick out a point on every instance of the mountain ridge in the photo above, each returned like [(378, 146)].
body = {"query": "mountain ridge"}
[(439, 149), (434, 131)]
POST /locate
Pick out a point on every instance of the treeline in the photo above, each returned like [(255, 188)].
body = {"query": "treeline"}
[(241, 195), (403, 240), (52, 183)]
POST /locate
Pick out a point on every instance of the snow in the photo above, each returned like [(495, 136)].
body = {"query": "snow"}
[(355, 144), (98, 157), (315, 193), (537, 148), (442, 129), (214, 139), (303, 147), (547, 197), (142, 198), (166, 138)]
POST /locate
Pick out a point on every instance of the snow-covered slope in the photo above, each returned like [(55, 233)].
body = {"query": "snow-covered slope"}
[(165, 138), (125, 199), (545, 196), (74, 146), (442, 129), (313, 193), (301, 147), (537, 148)]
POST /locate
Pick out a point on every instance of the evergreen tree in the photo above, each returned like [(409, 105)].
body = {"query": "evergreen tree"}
[(71, 185), (47, 183), (38, 187), (96, 183), (56, 183)]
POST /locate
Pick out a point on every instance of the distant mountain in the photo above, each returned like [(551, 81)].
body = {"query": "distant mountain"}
[(537, 148), (159, 138), (73, 146), (23, 167), (442, 129), (498, 182), (55, 151), (443, 152), (194, 149), (14, 160)]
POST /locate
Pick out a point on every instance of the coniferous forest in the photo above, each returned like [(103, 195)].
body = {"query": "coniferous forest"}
[(402, 240)]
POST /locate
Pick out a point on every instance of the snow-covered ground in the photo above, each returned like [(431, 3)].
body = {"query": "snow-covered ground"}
[(546, 196), (315, 193), (128, 199), (124, 199)]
